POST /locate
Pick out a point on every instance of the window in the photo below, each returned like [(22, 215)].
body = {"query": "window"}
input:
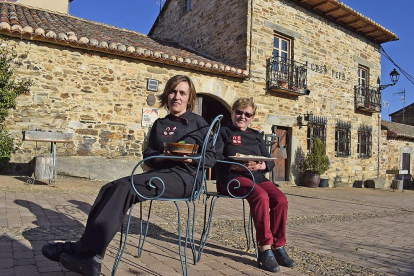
[(316, 129), (363, 80), (281, 48), (363, 74), (187, 5), (281, 55), (343, 139), (364, 141)]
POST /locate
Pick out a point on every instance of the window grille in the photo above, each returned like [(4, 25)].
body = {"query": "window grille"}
[(343, 139), (364, 148), (316, 129)]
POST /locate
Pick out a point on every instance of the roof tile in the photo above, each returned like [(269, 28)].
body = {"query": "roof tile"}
[(37, 24), (397, 130)]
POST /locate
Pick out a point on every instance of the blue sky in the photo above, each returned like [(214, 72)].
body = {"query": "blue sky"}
[(396, 16)]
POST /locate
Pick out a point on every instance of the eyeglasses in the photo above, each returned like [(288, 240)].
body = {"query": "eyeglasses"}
[(247, 114)]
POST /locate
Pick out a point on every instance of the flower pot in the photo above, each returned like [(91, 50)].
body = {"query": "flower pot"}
[(324, 183), (282, 83), (311, 179)]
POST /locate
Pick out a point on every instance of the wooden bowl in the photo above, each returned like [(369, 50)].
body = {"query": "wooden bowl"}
[(181, 149)]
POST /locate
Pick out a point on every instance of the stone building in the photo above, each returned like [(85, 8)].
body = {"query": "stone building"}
[(398, 148), (311, 67), (404, 115)]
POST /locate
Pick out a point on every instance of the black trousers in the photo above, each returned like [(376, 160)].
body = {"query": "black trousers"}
[(115, 199)]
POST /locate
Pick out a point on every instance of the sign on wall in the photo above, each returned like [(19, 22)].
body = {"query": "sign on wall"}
[(149, 115)]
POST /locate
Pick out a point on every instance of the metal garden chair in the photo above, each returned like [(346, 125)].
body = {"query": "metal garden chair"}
[(197, 190), (213, 196)]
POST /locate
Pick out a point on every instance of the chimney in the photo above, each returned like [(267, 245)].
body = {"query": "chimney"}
[(61, 6)]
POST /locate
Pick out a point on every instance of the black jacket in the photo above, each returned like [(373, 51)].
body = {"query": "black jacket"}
[(188, 127), (232, 141)]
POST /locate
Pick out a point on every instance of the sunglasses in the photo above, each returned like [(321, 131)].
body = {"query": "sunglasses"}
[(247, 114)]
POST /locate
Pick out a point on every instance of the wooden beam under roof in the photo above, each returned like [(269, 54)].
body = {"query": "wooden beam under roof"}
[(352, 22), (319, 4), (332, 11), (343, 16)]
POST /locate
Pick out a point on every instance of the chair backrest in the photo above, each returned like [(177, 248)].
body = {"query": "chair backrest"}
[(209, 141)]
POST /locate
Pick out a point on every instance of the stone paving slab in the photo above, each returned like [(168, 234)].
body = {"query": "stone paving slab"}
[(363, 227)]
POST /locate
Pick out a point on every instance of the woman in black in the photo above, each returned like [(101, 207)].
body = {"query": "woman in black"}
[(115, 198), (238, 138)]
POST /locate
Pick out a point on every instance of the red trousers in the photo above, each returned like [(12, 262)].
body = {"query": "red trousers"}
[(268, 207)]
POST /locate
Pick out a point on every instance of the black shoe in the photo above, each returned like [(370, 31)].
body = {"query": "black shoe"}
[(267, 260), (283, 258), (52, 251), (86, 264)]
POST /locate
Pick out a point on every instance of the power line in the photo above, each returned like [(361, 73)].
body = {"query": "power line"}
[(405, 73)]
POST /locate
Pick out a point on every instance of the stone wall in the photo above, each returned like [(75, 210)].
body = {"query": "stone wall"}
[(215, 28), (406, 117), (391, 155), (333, 55), (97, 97)]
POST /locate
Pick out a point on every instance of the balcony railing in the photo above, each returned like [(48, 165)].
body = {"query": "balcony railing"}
[(286, 76), (367, 98)]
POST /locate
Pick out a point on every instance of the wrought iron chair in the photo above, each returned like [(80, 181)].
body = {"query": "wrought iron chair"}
[(213, 196), (196, 191)]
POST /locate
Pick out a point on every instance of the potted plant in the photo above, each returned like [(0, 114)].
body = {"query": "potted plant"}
[(315, 164)]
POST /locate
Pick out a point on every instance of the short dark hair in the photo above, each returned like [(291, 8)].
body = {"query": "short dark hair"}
[(171, 84)]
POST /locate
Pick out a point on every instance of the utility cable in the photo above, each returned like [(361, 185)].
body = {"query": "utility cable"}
[(405, 73)]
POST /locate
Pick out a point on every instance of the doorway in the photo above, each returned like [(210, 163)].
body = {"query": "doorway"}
[(281, 149), (209, 107)]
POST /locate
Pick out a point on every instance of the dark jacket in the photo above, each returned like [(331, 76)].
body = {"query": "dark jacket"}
[(232, 141), (188, 127)]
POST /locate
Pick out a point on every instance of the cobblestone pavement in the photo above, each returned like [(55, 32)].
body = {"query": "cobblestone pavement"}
[(331, 231)]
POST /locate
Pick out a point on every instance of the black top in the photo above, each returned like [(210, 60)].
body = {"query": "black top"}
[(188, 127), (232, 141)]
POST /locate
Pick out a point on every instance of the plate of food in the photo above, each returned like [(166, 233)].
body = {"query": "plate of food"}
[(181, 148), (246, 157)]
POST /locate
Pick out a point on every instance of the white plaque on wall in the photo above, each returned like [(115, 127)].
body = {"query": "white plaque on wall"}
[(149, 115)]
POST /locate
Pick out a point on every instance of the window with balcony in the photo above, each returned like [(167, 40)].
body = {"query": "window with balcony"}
[(316, 129), (366, 98), (343, 139), (364, 148), (283, 73), (187, 5)]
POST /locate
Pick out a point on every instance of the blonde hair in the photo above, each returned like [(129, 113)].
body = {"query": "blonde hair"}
[(172, 84), (243, 103)]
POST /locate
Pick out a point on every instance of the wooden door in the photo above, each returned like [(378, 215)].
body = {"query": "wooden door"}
[(280, 151), (199, 105), (406, 158)]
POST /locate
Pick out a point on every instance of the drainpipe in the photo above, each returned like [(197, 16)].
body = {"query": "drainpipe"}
[(379, 146), (251, 37)]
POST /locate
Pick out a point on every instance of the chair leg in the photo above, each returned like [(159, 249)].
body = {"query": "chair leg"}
[(142, 237), (246, 230), (249, 231), (192, 243), (122, 246), (206, 225), (184, 266)]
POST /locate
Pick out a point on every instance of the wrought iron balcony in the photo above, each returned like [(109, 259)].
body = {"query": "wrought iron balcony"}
[(286, 76), (367, 98)]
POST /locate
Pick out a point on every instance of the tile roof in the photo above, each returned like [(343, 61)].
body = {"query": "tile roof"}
[(349, 18), (396, 130), (36, 24)]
